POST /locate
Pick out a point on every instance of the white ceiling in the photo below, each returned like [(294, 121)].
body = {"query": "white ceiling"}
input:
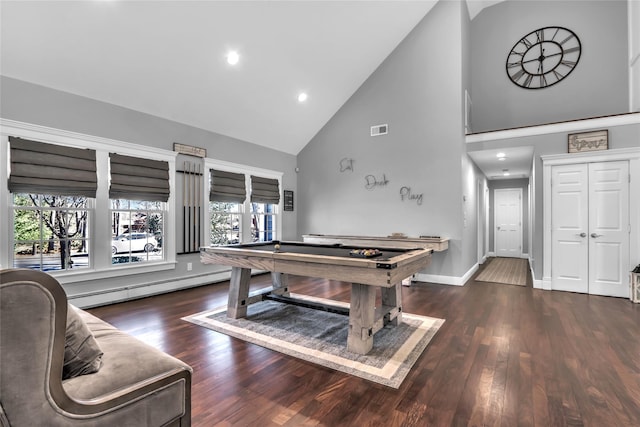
[(167, 58), (517, 162)]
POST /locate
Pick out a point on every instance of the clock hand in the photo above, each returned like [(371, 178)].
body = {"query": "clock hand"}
[(555, 54), (531, 60), (543, 58)]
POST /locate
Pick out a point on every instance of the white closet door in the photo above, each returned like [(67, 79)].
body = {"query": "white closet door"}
[(609, 228), (569, 228), (590, 228)]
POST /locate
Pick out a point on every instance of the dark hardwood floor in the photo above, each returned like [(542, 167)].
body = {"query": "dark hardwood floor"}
[(506, 356)]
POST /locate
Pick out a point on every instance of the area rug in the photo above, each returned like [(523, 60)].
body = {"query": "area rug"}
[(510, 271), (321, 337)]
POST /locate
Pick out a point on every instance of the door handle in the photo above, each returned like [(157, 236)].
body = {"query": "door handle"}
[(595, 235), (583, 234)]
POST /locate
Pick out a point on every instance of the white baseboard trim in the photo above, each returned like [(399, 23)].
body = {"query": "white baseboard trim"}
[(126, 293), (115, 295), (493, 255), (544, 283), (446, 280)]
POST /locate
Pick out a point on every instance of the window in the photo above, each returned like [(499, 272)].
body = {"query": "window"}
[(265, 198), (138, 193), (68, 201), (137, 231), (227, 195), (263, 224), (51, 187), (51, 232), (244, 203), (226, 223)]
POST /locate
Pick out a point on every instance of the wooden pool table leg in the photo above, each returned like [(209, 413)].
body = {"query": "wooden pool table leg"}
[(238, 292), (361, 316), (392, 297), (280, 283)]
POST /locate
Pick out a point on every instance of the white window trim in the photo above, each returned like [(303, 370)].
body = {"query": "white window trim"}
[(247, 171), (100, 231)]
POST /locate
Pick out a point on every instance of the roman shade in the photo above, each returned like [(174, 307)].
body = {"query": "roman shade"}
[(227, 187), (39, 167), (265, 190), (134, 178)]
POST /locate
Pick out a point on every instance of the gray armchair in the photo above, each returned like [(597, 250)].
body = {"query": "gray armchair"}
[(136, 385)]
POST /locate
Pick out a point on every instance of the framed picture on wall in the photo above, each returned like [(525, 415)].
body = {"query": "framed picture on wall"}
[(588, 141), (288, 200)]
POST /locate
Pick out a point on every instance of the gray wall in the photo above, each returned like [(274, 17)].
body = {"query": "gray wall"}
[(418, 92), (35, 104), (598, 86)]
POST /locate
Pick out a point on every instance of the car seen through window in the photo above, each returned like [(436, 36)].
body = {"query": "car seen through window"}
[(133, 242)]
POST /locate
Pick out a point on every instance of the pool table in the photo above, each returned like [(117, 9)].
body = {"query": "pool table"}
[(384, 270)]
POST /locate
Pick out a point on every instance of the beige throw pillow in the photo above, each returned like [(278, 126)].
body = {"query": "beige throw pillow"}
[(82, 355)]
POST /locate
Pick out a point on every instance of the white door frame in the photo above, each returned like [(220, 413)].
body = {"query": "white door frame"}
[(481, 220), (495, 215), (630, 154)]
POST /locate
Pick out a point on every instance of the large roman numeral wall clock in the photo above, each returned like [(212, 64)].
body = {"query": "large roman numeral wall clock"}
[(543, 57)]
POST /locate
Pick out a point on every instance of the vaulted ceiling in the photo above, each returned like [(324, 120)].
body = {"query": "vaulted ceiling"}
[(168, 58)]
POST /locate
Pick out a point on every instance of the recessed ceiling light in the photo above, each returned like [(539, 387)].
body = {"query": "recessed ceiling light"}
[(233, 57), (302, 97), (506, 174), (500, 155)]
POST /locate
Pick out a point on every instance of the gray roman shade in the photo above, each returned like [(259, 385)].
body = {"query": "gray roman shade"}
[(265, 190), (38, 167), (227, 187), (134, 178)]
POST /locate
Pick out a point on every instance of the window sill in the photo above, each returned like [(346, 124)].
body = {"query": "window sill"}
[(122, 270)]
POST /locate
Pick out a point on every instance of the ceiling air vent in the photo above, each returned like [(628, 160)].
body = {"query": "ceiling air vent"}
[(379, 130)]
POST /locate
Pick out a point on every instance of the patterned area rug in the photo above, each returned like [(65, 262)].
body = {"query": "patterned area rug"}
[(510, 271), (321, 337)]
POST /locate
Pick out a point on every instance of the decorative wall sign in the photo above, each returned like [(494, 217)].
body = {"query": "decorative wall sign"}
[(373, 182), (406, 195), (189, 150), (346, 164), (288, 200), (588, 141)]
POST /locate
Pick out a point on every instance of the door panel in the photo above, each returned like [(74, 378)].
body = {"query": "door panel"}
[(569, 227), (609, 228), (508, 222)]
